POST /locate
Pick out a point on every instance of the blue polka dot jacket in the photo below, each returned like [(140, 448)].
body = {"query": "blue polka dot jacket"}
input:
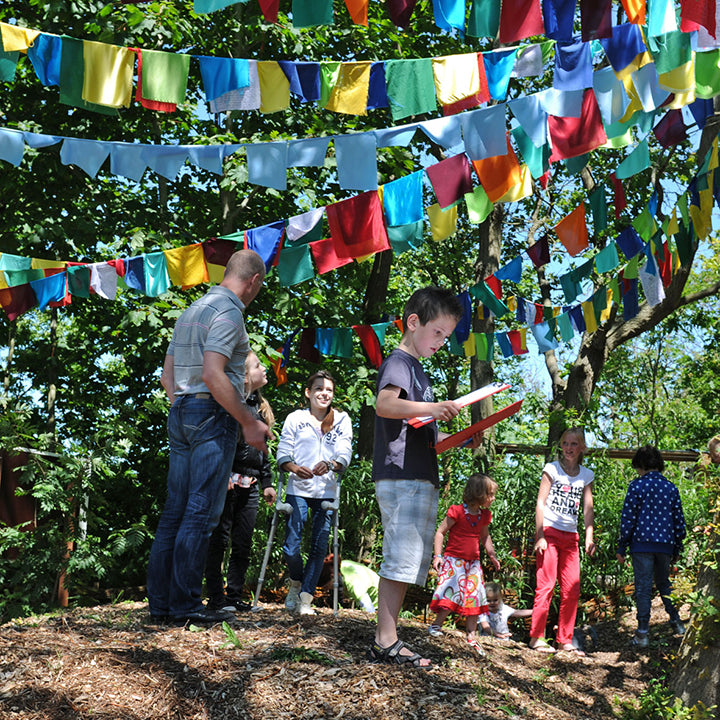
[(652, 517)]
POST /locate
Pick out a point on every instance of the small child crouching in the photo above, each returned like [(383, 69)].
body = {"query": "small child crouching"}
[(499, 613)]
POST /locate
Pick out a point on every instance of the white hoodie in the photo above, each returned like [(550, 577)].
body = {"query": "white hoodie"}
[(303, 443)]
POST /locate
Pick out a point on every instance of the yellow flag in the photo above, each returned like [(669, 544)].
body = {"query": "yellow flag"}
[(681, 79), (186, 265), (589, 315), (443, 223), (17, 38), (274, 87), (713, 158), (39, 264), (350, 93), (605, 314), (215, 273), (108, 74), (635, 103), (456, 77), (469, 346), (644, 58), (522, 190)]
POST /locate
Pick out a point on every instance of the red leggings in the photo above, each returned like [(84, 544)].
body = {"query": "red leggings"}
[(560, 561)]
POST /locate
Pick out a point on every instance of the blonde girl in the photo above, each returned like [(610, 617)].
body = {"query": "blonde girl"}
[(564, 486)]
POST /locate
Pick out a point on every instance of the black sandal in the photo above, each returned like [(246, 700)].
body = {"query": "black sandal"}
[(392, 656)]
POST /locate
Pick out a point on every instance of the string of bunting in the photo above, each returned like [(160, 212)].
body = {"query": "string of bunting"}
[(56, 281), (508, 20), (639, 83)]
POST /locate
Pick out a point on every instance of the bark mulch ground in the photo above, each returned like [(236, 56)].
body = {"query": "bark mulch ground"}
[(112, 662)]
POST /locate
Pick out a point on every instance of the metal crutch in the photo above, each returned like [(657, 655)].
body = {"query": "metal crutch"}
[(285, 509), (334, 505)]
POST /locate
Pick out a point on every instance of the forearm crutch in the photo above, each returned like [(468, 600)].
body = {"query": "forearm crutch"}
[(285, 509), (334, 506)]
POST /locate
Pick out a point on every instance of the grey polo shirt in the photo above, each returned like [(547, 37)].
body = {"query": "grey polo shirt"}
[(212, 323)]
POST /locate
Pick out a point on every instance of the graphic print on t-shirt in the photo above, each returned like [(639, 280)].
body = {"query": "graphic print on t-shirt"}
[(565, 499)]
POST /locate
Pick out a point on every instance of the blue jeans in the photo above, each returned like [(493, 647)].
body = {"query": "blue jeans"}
[(645, 567), (321, 520), (202, 443)]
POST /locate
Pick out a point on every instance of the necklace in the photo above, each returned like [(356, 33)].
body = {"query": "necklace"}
[(468, 515)]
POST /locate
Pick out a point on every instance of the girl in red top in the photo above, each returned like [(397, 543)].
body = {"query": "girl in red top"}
[(461, 587)]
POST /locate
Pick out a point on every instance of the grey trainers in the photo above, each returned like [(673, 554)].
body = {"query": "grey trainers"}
[(435, 631), (640, 640), (677, 626), (292, 601)]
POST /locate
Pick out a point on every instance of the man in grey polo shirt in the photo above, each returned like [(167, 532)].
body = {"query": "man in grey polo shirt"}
[(203, 375)]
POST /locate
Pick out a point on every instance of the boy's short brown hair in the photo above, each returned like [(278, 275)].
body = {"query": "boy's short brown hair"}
[(430, 302)]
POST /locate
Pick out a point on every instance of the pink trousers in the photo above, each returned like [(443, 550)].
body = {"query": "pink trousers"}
[(561, 561)]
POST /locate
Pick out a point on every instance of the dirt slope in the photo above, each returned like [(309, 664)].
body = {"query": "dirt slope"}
[(110, 662)]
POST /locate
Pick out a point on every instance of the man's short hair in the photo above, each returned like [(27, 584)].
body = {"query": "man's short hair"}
[(243, 264), (648, 457), (430, 302)]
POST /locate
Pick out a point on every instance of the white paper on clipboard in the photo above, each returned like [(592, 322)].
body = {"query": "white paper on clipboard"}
[(469, 399)]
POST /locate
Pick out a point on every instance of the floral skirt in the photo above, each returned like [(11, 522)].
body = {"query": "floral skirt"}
[(461, 587)]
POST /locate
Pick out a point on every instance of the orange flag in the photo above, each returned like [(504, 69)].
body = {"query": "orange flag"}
[(358, 11), (572, 231), (499, 173), (635, 10)]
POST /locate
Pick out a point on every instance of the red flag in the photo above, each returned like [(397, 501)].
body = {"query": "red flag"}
[(325, 256), (520, 19), (370, 343), (697, 13), (450, 179), (495, 285), (357, 226), (17, 300), (270, 10), (620, 199), (571, 137)]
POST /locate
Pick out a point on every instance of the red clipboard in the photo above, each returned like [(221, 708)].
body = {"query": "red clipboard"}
[(459, 438), (472, 397)]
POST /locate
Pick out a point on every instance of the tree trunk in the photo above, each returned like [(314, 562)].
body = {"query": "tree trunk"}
[(481, 371), (696, 677), (373, 307), (52, 376), (8, 361)]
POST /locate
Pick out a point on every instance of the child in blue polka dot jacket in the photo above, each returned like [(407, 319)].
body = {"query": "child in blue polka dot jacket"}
[(652, 526)]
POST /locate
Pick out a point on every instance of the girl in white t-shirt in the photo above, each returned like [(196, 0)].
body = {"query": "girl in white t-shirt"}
[(565, 485)]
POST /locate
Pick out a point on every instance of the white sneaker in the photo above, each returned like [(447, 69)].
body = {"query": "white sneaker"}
[(305, 607), (293, 597), (435, 631)]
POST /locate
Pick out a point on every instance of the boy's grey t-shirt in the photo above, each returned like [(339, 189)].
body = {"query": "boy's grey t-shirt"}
[(402, 452)]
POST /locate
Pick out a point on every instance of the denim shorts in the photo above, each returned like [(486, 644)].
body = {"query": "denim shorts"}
[(409, 515)]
